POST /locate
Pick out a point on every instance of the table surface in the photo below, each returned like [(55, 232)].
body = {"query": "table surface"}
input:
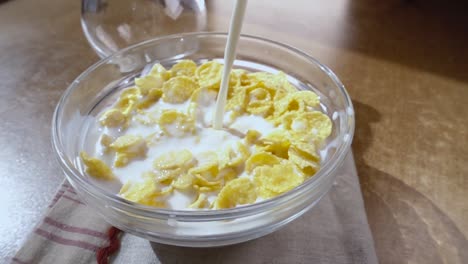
[(404, 63)]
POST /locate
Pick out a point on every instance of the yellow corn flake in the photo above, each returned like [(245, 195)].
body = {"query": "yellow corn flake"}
[(206, 174), (167, 176), (113, 118), (131, 93), (277, 143), (297, 101), (175, 159), (260, 108), (153, 96), (259, 102), (309, 98), (313, 125), (149, 82), (261, 159), (178, 89), (184, 68), (209, 75), (200, 203), (206, 189), (277, 81), (175, 123), (130, 144), (228, 174), (285, 85), (128, 100), (203, 97), (307, 161), (252, 136), (234, 155), (148, 118), (96, 168), (280, 95), (259, 94), (236, 192), (106, 140), (184, 182), (159, 70), (145, 193), (145, 119), (275, 180), (238, 101), (128, 147), (235, 78), (207, 171), (201, 181), (122, 159), (197, 95)]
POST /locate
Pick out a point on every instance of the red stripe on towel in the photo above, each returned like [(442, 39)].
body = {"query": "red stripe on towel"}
[(72, 199), (103, 254), (74, 229), (66, 242)]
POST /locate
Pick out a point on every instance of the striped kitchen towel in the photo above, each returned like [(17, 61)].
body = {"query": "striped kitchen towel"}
[(70, 232), (335, 231)]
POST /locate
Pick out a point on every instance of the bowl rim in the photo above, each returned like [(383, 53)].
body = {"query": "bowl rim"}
[(195, 215)]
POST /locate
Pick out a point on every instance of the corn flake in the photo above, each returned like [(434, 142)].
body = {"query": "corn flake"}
[(261, 159), (172, 168), (113, 118), (153, 96), (149, 82), (275, 180), (238, 101), (308, 162), (259, 101), (178, 89), (236, 192), (252, 136), (127, 100), (277, 143), (96, 167), (175, 159), (145, 193), (184, 68), (175, 123), (128, 147), (297, 101), (209, 74), (184, 182), (203, 182), (200, 202), (313, 125), (167, 176), (236, 77), (106, 140), (228, 174), (234, 155), (159, 70), (278, 81), (207, 170)]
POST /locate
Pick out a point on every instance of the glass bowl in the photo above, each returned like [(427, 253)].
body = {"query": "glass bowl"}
[(81, 102), (112, 25)]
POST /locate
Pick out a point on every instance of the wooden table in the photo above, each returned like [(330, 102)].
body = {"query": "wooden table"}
[(405, 64)]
